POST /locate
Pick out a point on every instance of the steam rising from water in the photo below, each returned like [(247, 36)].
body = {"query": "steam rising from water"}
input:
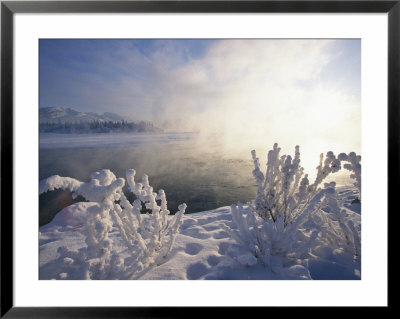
[(238, 95)]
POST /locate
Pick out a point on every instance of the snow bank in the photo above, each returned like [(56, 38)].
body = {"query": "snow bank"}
[(203, 249)]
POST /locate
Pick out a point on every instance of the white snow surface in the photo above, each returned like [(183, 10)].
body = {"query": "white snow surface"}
[(202, 250)]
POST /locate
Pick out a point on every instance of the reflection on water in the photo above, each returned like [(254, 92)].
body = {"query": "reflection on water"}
[(203, 180)]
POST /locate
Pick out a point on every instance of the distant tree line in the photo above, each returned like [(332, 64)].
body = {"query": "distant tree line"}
[(98, 127)]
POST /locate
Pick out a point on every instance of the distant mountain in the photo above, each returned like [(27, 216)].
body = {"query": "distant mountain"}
[(67, 115), (67, 120)]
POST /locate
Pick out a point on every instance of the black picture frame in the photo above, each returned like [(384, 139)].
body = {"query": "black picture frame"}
[(9, 8)]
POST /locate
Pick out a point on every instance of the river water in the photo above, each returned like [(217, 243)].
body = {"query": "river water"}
[(204, 179)]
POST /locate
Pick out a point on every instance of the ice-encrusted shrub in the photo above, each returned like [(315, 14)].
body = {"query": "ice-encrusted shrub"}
[(336, 228), (283, 189), (271, 241), (271, 226), (148, 238), (353, 165)]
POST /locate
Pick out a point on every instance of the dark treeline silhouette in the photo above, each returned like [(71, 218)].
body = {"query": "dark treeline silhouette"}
[(98, 127)]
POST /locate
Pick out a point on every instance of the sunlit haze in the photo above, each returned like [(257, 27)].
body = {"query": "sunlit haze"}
[(236, 94)]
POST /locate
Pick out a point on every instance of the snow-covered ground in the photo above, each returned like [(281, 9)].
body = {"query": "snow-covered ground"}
[(203, 249)]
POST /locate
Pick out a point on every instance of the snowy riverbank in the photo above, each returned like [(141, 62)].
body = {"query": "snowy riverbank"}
[(202, 250)]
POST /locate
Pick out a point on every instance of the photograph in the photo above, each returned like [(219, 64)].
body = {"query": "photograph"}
[(199, 159)]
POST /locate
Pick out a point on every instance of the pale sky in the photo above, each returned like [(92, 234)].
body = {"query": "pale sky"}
[(244, 93)]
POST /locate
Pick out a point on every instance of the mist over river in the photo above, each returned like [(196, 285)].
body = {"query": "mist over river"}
[(202, 178), (204, 174)]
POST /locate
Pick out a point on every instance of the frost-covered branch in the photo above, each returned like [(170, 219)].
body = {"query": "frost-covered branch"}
[(273, 225), (283, 189), (353, 165), (271, 238), (337, 229), (148, 239)]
